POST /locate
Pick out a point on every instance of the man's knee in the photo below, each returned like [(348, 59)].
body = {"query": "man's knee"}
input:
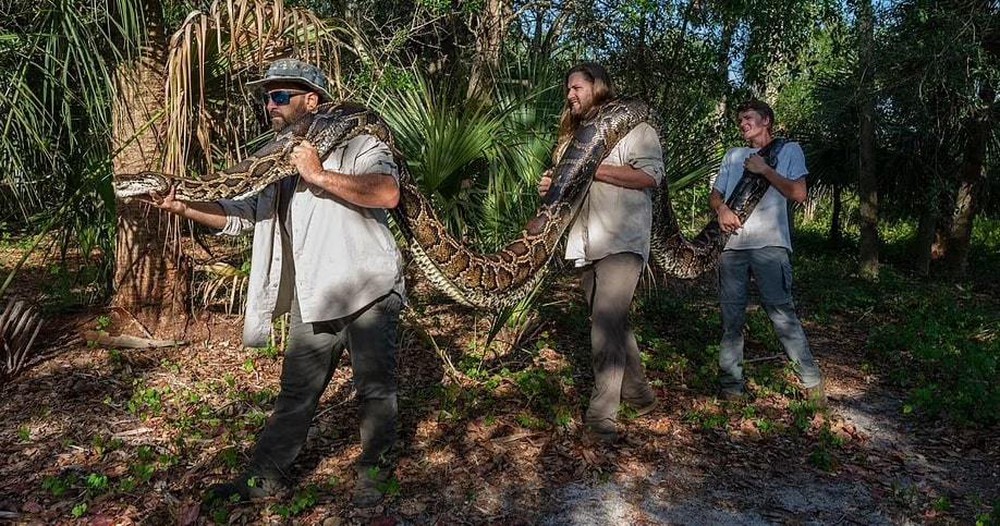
[(377, 391), (783, 313)]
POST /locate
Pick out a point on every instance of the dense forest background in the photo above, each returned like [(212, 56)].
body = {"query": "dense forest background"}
[(898, 247), (894, 101)]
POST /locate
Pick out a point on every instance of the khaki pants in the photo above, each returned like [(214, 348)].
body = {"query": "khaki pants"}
[(608, 286)]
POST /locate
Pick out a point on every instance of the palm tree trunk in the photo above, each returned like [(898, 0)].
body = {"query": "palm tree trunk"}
[(723, 61), (149, 283), (867, 182), (493, 24), (926, 230), (836, 230)]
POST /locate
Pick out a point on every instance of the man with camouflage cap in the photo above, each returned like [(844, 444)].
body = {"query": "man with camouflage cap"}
[(322, 251)]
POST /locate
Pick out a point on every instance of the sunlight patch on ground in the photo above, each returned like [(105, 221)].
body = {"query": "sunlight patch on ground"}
[(768, 501)]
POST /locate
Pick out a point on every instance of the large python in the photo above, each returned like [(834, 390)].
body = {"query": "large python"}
[(489, 281)]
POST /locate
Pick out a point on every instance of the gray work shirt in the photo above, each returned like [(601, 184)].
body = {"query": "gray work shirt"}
[(615, 219), (336, 257), (767, 226)]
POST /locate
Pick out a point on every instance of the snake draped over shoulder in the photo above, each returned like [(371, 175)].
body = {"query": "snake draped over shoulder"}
[(492, 280)]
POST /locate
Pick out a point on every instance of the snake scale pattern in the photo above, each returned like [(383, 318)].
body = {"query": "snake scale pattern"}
[(488, 281)]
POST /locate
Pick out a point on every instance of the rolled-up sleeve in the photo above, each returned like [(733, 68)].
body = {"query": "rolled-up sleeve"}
[(240, 215), (363, 154), (645, 152)]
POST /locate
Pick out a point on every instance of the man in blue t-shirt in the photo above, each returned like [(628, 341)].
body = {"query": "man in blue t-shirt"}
[(761, 246)]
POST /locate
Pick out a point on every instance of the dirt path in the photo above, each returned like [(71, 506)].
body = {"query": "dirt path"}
[(895, 472)]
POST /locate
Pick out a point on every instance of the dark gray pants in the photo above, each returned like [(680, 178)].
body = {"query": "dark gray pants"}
[(310, 359), (608, 286)]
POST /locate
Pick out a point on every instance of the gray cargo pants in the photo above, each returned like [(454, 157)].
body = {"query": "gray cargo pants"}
[(772, 271), (310, 360)]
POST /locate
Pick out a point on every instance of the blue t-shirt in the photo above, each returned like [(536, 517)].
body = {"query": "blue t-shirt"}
[(767, 226)]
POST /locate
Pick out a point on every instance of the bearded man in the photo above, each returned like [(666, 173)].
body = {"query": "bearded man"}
[(322, 250), (609, 241)]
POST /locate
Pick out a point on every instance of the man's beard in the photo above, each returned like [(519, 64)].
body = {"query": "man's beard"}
[(583, 113), (280, 122)]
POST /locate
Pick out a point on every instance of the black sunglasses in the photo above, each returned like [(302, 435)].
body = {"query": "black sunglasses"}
[(281, 97)]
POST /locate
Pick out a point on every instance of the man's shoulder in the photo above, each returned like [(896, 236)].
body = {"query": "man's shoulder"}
[(645, 127), (642, 131), (791, 147), (793, 160), (364, 138), (738, 152), (362, 144)]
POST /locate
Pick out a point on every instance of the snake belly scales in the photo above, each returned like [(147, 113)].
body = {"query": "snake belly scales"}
[(489, 281)]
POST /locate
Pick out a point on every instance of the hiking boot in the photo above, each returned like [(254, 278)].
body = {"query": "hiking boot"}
[(368, 487), (644, 407), (730, 395), (603, 431), (245, 488)]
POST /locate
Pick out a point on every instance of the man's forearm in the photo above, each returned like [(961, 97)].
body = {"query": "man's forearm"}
[(624, 176), (208, 213), (795, 190), (715, 200), (365, 190)]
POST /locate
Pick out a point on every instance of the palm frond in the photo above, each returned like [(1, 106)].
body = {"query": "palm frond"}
[(19, 325), (211, 57)]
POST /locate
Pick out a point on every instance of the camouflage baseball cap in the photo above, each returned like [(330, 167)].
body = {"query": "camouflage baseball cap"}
[(294, 70)]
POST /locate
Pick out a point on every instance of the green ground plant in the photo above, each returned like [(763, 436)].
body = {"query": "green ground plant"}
[(939, 339), (301, 502), (59, 485), (992, 518), (79, 510), (946, 354), (707, 419), (146, 401)]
